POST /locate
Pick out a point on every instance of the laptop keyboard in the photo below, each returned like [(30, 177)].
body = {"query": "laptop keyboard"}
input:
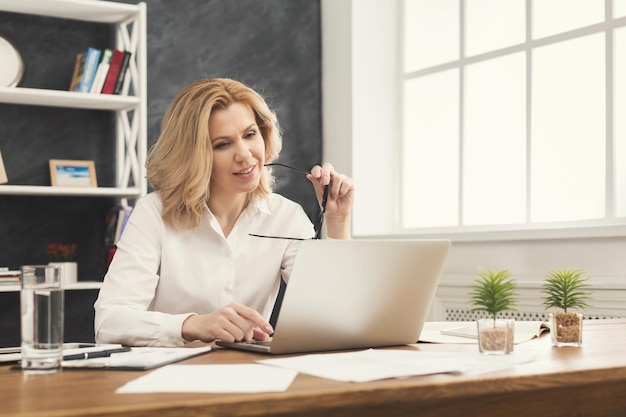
[(261, 342)]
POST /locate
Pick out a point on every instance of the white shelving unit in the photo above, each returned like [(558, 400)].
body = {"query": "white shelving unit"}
[(131, 111), (130, 23)]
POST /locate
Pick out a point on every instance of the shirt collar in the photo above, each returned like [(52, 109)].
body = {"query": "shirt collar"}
[(257, 204)]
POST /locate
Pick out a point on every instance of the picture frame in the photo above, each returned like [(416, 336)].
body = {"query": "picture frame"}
[(72, 173)]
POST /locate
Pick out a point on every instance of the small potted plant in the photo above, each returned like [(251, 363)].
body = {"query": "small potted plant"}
[(566, 289), (494, 292), (64, 255)]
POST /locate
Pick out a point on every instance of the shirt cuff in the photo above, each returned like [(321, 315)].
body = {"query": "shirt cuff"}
[(173, 329)]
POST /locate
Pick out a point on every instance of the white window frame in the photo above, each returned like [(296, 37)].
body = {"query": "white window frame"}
[(363, 38)]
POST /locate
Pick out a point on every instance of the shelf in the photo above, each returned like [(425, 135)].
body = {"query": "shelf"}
[(89, 11), (126, 140), (57, 98), (80, 285), (44, 190)]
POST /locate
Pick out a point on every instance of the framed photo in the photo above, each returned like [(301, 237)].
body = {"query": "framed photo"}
[(70, 173)]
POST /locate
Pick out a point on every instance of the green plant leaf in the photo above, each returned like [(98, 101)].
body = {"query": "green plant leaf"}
[(566, 289), (493, 292)]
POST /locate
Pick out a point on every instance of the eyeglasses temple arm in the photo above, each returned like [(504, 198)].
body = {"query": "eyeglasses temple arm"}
[(320, 222)]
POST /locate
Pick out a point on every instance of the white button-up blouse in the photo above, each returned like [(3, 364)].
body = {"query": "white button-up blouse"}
[(159, 276)]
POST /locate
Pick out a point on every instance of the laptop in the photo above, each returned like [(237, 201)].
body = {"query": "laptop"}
[(352, 294)]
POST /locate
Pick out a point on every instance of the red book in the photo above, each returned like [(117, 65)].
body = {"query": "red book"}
[(114, 71)]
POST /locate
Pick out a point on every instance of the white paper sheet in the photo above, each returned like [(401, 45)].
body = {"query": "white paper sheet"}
[(431, 332), (236, 378), (372, 364)]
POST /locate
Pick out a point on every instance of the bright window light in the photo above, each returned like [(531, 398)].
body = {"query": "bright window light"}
[(430, 153), (568, 131), (493, 24), (431, 33), (514, 131), (619, 8), (494, 142), (619, 124), (556, 16)]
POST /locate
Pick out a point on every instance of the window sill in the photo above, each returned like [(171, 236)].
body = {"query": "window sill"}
[(586, 230)]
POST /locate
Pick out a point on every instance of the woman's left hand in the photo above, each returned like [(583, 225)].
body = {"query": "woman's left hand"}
[(339, 201)]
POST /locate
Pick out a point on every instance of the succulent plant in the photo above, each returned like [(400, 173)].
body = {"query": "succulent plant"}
[(493, 292), (566, 289)]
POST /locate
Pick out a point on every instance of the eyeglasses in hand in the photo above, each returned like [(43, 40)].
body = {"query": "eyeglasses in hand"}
[(320, 220)]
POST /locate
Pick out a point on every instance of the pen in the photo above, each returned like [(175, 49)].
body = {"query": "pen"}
[(99, 354)]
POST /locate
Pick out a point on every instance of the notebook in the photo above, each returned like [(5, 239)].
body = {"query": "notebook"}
[(348, 294)]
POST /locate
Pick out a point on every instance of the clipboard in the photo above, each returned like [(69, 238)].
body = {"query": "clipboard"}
[(14, 354), (138, 358)]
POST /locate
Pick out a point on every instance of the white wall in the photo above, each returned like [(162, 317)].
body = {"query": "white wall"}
[(359, 112), (360, 118)]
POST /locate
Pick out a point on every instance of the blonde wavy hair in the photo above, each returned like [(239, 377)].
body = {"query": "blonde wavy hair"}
[(179, 164)]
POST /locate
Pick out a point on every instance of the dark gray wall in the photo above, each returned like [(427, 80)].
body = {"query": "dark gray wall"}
[(273, 46)]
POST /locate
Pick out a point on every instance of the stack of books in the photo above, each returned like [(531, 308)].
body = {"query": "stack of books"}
[(101, 71), (8, 276)]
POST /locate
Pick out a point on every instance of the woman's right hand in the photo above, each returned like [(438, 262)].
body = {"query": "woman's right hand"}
[(235, 322)]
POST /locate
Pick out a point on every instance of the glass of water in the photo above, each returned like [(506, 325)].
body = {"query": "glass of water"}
[(41, 302)]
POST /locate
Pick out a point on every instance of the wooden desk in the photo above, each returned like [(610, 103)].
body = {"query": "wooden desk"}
[(587, 381)]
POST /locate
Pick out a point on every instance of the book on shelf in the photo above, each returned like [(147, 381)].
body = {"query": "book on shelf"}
[(101, 72), (105, 258), (110, 253), (122, 76), (92, 58), (122, 219), (115, 223), (127, 80), (114, 70), (79, 68), (110, 226)]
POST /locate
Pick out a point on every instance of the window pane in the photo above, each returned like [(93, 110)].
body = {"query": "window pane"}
[(619, 125), (619, 8), (431, 33), (493, 24), (430, 157), (568, 130), (556, 16), (494, 142)]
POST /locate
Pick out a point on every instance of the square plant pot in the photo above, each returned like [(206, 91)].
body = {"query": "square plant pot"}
[(495, 337), (566, 329)]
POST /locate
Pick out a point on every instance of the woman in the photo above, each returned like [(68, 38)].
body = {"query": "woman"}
[(187, 267)]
